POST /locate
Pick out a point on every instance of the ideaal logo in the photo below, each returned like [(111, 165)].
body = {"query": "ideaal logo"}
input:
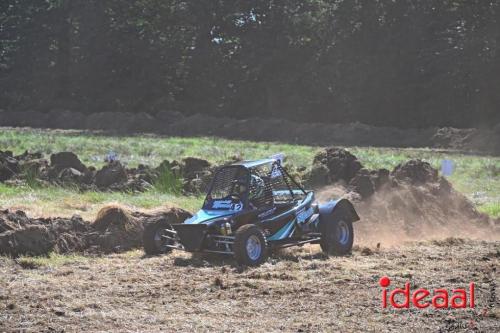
[(423, 298)]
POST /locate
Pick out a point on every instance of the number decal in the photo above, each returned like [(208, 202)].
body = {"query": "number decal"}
[(237, 206)]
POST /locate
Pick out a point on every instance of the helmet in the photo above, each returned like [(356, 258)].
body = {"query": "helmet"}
[(256, 187)]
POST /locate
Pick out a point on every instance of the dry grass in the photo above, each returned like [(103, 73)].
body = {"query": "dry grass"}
[(296, 291)]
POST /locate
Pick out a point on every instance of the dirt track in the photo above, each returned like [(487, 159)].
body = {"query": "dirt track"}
[(295, 292)]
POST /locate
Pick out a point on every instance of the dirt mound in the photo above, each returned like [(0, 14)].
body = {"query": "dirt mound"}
[(118, 228), (410, 203), (110, 174), (471, 139), (428, 211), (416, 172), (9, 166), (20, 234), (332, 165), (366, 182), (65, 168), (193, 166), (65, 160), (337, 165), (33, 240), (115, 229)]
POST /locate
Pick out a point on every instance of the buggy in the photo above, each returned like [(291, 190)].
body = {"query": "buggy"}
[(252, 208)]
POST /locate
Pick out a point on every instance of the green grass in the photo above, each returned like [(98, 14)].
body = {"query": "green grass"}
[(168, 182), (491, 208), (478, 177), (52, 260), (59, 201), (151, 150)]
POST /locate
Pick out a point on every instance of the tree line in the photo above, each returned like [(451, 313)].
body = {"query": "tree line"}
[(405, 63)]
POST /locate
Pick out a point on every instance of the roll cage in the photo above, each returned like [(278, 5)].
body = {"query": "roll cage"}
[(231, 187)]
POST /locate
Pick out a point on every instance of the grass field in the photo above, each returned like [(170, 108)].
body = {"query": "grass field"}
[(476, 176)]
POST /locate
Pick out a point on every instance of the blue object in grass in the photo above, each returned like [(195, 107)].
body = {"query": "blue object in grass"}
[(447, 167), (111, 157)]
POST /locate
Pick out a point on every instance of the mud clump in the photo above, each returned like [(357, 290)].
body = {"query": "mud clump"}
[(192, 166), (416, 172), (110, 174), (9, 166), (65, 160), (115, 229), (337, 165), (20, 234), (332, 165), (66, 169), (119, 230), (367, 182), (33, 240)]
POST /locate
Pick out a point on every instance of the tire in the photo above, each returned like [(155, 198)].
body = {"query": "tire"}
[(153, 243), (337, 236), (250, 245)]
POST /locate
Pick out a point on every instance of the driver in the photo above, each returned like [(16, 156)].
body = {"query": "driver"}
[(240, 187), (256, 193)]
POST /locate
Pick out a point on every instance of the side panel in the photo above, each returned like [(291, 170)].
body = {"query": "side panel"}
[(283, 225), (203, 216), (339, 205), (284, 232)]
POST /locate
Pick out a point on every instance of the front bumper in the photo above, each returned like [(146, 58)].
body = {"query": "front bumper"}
[(191, 236), (197, 238)]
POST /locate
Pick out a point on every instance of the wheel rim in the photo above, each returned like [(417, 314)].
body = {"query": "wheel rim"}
[(254, 247), (343, 233), (160, 241)]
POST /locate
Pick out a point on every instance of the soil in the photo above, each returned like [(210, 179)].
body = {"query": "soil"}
[(115, 229), (296, 291), (412, 202), (66, 169)]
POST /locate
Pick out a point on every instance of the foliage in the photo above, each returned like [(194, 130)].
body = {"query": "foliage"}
[(491, 208), (405, 63), (168, 182)]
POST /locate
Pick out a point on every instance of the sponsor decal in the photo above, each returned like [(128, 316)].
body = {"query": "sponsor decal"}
[(227, 204), (267, 212)]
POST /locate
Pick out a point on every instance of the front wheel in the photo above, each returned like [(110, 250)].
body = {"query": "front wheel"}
[(250, 246), (337, 237), (156, 238)]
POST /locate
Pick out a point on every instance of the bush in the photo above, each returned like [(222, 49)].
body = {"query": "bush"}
[(168, 182)]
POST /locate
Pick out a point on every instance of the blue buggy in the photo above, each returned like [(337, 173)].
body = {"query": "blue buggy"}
[(252, 208)]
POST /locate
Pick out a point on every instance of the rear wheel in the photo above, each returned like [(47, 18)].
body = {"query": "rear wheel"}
[(337, 237), (250, 245), (155, 240)]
